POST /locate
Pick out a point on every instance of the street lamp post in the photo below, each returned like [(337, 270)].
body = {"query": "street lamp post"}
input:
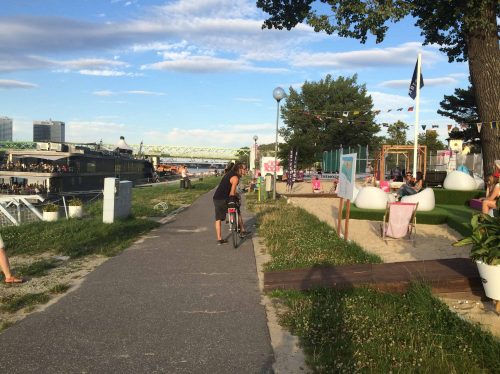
[(278, 94), (255, 138)]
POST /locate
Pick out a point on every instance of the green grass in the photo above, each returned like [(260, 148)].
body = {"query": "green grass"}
[(81, 237), (38, 268), (298, 239), (363, 330), (15, 303), (59, 288)]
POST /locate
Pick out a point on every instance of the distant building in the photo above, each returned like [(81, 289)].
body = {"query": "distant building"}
[(6, 129), (49, 131)]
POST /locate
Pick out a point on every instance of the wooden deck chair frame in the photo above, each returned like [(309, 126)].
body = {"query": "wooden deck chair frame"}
[(412, 226)]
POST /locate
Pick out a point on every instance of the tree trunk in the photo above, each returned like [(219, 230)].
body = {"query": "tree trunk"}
[(484, 67)]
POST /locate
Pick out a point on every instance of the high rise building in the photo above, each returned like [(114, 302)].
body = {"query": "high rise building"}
[(6, 129), (49, 131)]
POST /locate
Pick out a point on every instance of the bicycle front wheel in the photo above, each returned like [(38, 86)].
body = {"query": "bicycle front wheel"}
[(234, 229)]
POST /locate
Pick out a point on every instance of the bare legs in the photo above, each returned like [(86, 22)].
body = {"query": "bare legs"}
[(488, 204), (4, 264), (218, 229)]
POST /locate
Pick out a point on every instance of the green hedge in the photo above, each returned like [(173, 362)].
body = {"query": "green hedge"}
[(453, 197), (456, 216)]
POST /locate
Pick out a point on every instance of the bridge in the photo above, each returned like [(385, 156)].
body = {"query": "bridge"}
[(215, 153)]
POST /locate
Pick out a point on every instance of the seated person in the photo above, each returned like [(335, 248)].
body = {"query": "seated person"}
[(412, 186), (396, 174), (316, 184), (492, 194)]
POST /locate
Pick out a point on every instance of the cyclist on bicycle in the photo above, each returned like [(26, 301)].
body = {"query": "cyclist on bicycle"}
[(226, 193)]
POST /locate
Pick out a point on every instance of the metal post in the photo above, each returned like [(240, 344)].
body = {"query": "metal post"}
[(276, 148)]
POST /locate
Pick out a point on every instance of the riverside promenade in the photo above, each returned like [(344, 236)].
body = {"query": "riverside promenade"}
[(173, 302)]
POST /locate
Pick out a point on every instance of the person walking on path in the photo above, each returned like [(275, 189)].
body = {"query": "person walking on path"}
[(226, 193), (5, 266)]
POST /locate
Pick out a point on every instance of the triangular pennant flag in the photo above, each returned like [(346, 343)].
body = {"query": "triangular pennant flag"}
[(356, 112), (400, 109), (340, 120), (449, 127), (423, 127), (479, 125), (389, 110), (410, 109), (345, 114), (463, 125)]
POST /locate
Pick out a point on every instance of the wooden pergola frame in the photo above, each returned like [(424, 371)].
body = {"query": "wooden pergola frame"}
[(407, 150)]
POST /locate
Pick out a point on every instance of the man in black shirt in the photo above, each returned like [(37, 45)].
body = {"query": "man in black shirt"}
[(227, 192)]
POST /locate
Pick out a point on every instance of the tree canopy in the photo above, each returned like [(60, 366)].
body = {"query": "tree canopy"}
[(465, 30), (316, 117), (462, 108)]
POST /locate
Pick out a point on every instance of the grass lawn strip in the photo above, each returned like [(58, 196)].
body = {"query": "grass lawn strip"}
[(363, 330), (54, 256)]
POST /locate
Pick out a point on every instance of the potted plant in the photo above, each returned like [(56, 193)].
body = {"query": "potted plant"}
[(485, 241), (75, 208), (50, 212)]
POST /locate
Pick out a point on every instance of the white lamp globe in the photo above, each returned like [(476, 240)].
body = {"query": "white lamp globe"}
[(278, 94)]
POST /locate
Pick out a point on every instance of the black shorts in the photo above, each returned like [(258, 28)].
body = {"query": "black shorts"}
[(220, 209)]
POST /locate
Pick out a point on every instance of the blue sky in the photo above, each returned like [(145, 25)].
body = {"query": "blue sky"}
[(191, 72)]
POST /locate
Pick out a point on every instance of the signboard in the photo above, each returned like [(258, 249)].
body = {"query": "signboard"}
[(268, 166), (347, 176)]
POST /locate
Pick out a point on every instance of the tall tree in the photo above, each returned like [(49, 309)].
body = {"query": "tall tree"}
[(325, 115), (396, 133), (462, 108), (430, 139), (465, 30)]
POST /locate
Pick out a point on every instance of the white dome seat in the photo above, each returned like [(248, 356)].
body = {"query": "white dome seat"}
[(425, 199), (459, 181), (371, 198)]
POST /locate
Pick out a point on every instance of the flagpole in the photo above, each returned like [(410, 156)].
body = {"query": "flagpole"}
[(417, 105)]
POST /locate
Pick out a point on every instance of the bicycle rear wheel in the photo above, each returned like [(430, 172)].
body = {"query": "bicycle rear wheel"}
[(233, 219)]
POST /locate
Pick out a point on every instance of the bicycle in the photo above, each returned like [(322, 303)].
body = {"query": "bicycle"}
[(234, 226)]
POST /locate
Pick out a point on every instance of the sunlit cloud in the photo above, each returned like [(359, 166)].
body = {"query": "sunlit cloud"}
[(363, 58), (12, 84), (429, 82)]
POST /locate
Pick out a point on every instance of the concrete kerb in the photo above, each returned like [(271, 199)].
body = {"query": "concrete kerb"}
[(288, 356)]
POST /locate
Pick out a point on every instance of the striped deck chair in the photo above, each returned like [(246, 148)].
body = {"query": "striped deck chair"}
[(400, 222)]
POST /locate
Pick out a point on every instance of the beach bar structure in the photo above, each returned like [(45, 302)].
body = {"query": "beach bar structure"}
[(407, 152)]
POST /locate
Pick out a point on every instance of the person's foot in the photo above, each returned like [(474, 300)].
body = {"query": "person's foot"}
[(13, 280), (244, 233), (222, 241)]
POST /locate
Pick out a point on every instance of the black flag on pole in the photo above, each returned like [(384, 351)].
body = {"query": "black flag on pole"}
[(413, 85)]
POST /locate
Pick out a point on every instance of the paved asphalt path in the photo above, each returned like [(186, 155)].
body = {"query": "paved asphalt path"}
[(174, 302)]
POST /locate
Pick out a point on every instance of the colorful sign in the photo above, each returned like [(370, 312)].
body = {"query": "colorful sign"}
[(268, 166), (347, 176)]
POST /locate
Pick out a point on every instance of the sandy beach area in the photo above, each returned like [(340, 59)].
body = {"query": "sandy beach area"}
[(432, 242)]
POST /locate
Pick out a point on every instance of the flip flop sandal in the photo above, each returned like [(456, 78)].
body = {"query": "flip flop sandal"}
[(13, 280)]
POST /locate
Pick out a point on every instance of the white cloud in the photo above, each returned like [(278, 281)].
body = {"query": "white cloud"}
[(106, 73), (12, 84), (429, 82), (131, 92), (208, 64), (404, 54)]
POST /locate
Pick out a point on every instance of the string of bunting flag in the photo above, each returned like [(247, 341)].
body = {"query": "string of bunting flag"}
[(322, 115)]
